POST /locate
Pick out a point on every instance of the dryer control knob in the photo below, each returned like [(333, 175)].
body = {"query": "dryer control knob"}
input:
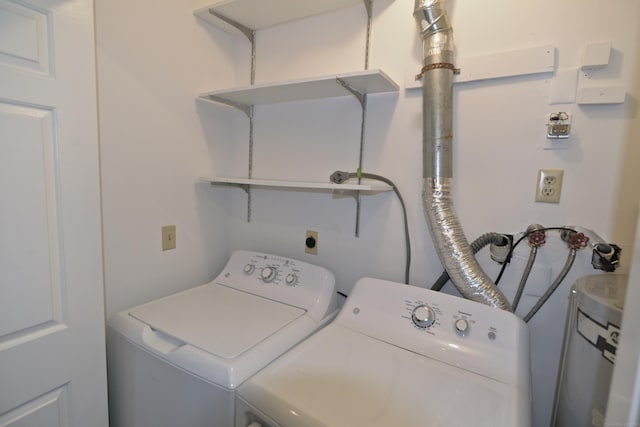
[(423, 316), (462, 327), (268, 274), (248, 269), (291, 279)]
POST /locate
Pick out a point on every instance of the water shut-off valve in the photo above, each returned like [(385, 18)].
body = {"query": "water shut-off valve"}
[(605, 256), (536, 235)]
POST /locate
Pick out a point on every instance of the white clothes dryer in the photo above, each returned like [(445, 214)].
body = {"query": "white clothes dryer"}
[(177, 361), (398, 355)]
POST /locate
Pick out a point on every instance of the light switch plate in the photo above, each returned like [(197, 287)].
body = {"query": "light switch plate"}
[(168, 237)]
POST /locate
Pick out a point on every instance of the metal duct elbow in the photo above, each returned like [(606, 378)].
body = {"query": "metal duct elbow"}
[(435, 29), (437, 85)]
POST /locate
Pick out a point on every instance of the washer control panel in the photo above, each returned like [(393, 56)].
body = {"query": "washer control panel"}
[(453, 330), (279, 270), (461, 326), (423, 316), (282, 279), (427, 315)]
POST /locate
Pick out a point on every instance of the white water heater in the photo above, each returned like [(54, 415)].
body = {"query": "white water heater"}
[(589, 351)]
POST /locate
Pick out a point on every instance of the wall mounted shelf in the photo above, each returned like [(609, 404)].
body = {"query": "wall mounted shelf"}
[(363, 82), (245, 17), (257, 15), (373, 187)]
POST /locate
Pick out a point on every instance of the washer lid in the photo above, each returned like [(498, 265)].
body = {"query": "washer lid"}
[(341, 378), (217, 319)]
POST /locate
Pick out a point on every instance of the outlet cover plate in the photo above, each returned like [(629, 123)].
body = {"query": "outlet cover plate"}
[(549, 185)]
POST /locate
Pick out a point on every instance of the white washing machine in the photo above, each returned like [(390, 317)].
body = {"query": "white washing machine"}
[(177, 361), (398, 355)]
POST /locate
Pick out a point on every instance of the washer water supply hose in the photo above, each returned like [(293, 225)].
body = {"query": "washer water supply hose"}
[(451, 244), (338, 177), (525, 275), (575, 241), (536, 237)]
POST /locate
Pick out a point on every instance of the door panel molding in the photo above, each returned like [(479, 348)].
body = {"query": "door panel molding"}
[(25, 41)]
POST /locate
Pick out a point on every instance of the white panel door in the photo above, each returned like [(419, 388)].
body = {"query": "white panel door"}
[(52, 357)]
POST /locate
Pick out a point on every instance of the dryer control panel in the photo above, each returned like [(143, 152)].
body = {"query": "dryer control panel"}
[(463, 333), (286, 280)]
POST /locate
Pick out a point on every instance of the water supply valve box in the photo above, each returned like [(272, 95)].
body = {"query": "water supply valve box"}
[(558, 125)]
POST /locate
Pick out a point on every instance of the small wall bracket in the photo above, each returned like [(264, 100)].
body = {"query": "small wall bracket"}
[(358, 95), (246, 109), (248, 32)]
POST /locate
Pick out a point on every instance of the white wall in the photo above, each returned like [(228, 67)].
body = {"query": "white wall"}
[(498, 149), (155, 143)]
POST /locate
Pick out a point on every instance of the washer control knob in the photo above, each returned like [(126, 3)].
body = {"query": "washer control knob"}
[(462, 327), (423, 316), (291, 279), (249, 268), (268, 274)]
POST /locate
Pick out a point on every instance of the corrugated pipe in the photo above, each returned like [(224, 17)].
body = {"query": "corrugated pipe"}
[(437, 83), (476, 245)]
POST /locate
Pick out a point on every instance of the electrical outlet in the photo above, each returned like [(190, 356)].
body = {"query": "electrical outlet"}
[(549, 185), (168, 237), (311, 242)]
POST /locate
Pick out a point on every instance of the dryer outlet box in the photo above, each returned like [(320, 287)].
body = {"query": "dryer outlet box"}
[(311, 242)]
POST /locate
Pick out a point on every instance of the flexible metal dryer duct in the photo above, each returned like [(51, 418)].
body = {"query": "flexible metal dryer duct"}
[(437, 87)]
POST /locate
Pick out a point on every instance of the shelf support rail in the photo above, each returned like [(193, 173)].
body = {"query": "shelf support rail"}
[(250, 166), (248, 110), (252, 39), (368, 5), (362, 99)]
